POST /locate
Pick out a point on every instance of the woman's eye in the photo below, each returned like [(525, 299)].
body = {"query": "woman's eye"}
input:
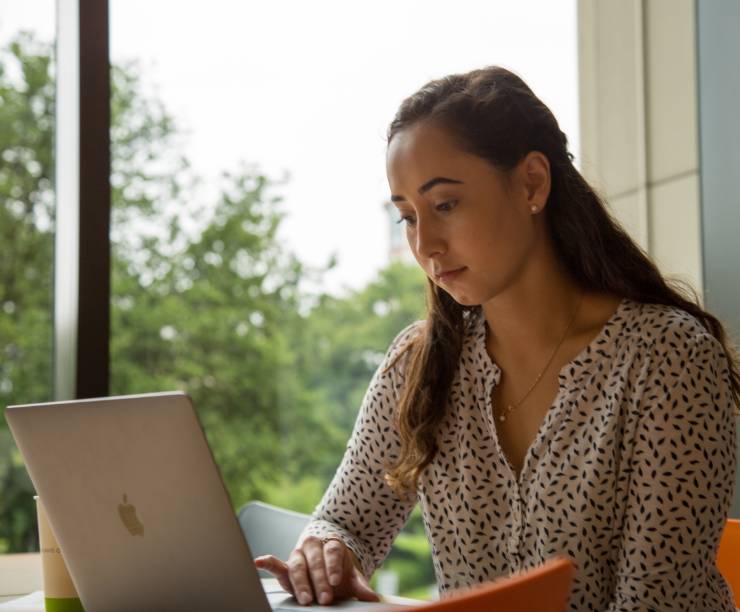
[(446, 206), (407, 218)]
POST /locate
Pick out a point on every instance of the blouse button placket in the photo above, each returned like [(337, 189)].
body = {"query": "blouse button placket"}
[(516, 525)]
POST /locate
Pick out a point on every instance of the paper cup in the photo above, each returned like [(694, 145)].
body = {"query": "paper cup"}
[(60, 594)]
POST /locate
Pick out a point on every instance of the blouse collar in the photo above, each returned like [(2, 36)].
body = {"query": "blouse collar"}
[(601, 348)]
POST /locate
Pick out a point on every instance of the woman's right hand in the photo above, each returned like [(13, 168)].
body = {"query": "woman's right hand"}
[(319, 571)]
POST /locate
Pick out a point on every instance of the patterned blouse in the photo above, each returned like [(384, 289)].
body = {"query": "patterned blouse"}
[(630, 475)]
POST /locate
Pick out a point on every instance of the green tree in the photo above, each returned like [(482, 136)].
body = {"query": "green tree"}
[(26, 213), (345, 337), (215, 321)]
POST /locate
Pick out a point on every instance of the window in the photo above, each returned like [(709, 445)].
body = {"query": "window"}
[(27, 237)]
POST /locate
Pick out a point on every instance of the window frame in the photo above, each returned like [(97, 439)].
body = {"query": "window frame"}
[(83, 201)]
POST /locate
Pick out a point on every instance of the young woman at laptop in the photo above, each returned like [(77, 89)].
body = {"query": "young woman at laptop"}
[(561, 397)]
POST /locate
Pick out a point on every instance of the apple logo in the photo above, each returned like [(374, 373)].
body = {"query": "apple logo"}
[(128, 516)]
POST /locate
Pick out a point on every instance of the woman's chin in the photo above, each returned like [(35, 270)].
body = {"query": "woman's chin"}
[(464, 299)]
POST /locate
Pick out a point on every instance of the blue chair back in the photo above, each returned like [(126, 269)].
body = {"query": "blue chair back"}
[(270, 530)]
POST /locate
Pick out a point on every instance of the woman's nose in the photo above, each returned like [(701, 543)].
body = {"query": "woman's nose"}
[(429, 238)]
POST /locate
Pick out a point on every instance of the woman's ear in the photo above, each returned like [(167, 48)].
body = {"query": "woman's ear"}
[(534, 174)]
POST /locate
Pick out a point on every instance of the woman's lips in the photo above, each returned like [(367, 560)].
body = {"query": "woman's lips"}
[(448, 275)]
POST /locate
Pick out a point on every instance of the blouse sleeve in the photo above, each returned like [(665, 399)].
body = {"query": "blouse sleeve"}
[(359, 507), (681, 483)]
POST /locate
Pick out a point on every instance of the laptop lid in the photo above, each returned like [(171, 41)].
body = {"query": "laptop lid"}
[(136, 501)]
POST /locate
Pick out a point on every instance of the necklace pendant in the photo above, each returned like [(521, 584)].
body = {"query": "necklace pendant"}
[(502, 417)]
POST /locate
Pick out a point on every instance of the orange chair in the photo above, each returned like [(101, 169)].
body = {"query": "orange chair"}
[(543, 589), (728, 556)]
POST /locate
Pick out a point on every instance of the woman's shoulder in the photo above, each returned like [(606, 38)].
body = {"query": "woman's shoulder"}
[(407, 338), (665, 328), (401, 344), (681, 366)]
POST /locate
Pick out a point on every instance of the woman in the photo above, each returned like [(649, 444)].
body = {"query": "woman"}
[(560, 398)]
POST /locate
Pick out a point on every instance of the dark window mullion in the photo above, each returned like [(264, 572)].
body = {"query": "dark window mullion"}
[(82, 257)]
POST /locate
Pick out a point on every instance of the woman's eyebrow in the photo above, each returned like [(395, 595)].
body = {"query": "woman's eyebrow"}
[(427, 186)]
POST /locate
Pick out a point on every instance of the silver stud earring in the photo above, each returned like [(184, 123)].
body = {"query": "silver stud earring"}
[(534, 209)]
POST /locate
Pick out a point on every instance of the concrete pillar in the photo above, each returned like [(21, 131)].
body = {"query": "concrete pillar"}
[(718, 50), (639, 128), (659, 93)]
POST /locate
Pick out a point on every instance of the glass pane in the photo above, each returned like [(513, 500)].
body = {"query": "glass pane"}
[(27, 238), (256, 265)]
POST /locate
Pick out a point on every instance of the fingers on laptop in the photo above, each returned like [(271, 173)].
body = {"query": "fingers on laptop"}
[(277, 568), (335, 556), (319, 571), (344, 575), (298, 573), (308, 569)]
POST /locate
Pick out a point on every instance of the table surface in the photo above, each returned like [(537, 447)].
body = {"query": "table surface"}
[(20, 575)]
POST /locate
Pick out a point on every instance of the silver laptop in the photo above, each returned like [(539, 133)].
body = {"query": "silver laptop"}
[(138, 506)]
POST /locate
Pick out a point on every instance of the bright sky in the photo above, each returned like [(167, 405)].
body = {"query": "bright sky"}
[(310, 87)]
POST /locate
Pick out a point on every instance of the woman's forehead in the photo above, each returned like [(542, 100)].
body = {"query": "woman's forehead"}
[(419, 142), (422, 152)]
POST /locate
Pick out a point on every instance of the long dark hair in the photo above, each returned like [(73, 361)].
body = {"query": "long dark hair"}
[(493, 114)]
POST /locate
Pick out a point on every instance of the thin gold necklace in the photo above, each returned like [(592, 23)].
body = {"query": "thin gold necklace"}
[(510, 407)]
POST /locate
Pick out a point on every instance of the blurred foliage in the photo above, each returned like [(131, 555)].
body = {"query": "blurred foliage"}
[(205, 298), (26, 219)]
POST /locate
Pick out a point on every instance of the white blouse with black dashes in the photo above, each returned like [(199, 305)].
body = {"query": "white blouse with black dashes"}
[(630, 475)]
